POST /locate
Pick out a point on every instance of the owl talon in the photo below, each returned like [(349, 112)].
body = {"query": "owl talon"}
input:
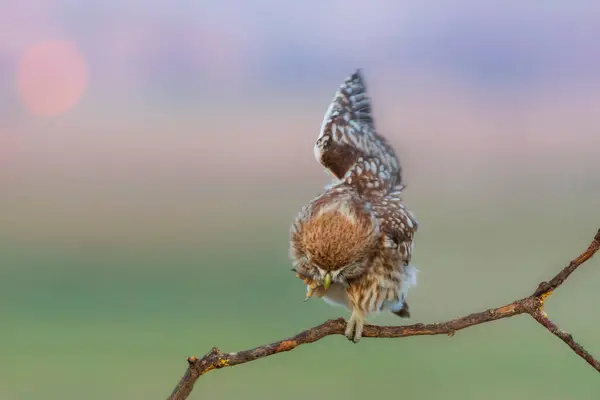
[(312, 289), (354, 328)]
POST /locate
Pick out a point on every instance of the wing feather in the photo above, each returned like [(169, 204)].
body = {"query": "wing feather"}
[(397, 222), (370, 178), (348, 133)]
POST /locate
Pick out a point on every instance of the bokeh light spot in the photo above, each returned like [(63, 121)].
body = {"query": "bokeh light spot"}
[(52, 77)]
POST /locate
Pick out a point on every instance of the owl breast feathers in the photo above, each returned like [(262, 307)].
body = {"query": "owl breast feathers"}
[(352, 244)]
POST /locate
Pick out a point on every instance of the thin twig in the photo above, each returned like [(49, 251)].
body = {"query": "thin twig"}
[(531, 305), (541, 317)]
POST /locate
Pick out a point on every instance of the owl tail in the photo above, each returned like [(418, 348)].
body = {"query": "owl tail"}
[(403, 312)]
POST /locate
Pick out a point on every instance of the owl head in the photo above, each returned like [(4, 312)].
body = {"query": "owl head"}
[(333, 239)]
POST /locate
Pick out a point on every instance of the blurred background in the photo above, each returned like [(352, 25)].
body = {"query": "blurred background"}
[(153, 155)]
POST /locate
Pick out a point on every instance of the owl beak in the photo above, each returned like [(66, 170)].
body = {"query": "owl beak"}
[(327, 281)]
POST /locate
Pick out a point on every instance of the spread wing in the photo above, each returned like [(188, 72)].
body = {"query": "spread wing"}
[(348, 133)]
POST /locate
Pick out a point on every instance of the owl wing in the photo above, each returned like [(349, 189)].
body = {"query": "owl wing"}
[(348, 133), (397, 222), (370, 178), (373, 182)]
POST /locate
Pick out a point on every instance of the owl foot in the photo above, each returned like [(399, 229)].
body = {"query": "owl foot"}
[(354, 327)]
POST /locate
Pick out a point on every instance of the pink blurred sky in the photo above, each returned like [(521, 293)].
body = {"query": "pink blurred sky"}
[(178, 89)]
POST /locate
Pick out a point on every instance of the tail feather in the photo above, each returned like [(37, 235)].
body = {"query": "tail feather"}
[(404, 312)]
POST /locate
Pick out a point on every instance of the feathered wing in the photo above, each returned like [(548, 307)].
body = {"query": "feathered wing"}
[(399, 226), (370, 178), (397, 222), (373, 182), (348, 133)]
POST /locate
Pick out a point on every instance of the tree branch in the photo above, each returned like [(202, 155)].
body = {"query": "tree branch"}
[(541, 317), (532, 305)]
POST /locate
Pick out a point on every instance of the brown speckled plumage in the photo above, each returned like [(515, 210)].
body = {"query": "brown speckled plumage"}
[(357, 233)]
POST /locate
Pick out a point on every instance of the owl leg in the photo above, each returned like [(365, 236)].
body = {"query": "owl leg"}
[(355, 325)]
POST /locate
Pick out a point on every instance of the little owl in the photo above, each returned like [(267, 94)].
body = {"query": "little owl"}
[(352, 244)]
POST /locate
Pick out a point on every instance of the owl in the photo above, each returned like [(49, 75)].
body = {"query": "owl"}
[(352, 244)]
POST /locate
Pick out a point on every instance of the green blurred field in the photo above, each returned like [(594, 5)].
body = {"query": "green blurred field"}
[(110, 307)]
